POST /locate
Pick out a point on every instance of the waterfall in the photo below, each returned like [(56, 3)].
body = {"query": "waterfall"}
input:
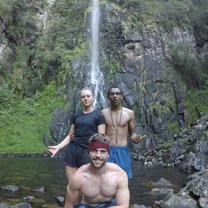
[(97, 79), (2, 47), (44, 16)]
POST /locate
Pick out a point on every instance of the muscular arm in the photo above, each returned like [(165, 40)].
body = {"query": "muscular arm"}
[(122, 194), (73, 195)]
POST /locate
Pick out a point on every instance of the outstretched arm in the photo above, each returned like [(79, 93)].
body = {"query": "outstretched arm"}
[(54, 149), (122, 194), (73, 195)]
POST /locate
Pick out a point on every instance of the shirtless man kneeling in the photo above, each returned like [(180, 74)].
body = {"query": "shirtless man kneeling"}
[(99, 184)]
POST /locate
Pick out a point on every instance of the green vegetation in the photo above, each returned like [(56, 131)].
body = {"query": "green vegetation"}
[(193, 70), (24, 122), (166, 144), (35, 64), (40, 52), (188, 65), (196, 104), (167, 13), (38, 47)]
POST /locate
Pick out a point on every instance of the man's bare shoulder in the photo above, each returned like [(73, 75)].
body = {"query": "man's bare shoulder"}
[(115, 169), (127, 110), (105, 110), (80, 172), (117, 175)]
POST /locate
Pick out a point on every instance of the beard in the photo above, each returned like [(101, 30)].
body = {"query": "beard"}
[(97, 163)]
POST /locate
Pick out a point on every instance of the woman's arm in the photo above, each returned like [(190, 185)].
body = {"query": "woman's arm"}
[(54, 149)]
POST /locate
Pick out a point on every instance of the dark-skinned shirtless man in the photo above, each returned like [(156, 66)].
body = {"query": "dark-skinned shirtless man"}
[(120, 125)]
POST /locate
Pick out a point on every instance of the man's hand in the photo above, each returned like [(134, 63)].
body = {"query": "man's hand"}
[(136, 138)]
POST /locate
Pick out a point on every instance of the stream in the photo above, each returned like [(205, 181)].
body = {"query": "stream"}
[(33, 173)]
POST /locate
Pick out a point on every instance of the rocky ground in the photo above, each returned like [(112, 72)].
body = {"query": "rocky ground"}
[(189, 153)]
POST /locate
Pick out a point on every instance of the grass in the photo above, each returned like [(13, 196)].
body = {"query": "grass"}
[(23, 126)]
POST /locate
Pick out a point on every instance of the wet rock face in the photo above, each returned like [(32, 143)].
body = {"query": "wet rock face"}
[(137, 58), (59, 126), (197, 185), (21, 205), (11, 188), (193, 195), (189, 152), (33, 200), (150, 84)]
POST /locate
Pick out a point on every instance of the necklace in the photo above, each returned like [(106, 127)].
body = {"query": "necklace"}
[(114, 124)]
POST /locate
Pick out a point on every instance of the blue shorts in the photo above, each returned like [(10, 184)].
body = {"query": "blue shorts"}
[(103, 205), (122, 157), (76, 155)]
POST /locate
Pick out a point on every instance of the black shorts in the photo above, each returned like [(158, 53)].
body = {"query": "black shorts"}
[(76, 155)]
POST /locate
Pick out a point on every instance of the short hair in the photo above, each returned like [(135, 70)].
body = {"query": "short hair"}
[(101, 138), (87, 88), (115, 86)]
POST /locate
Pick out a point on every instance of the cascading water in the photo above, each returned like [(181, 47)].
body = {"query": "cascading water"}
[(2, 47), (97, 79)]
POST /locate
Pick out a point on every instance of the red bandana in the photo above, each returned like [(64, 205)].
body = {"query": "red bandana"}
[(97, 144)]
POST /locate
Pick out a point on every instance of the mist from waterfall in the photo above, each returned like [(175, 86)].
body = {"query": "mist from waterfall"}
[(97, 79)]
